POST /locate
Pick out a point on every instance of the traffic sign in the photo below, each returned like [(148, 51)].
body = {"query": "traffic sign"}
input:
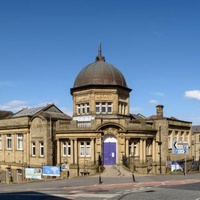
[(180, 147)]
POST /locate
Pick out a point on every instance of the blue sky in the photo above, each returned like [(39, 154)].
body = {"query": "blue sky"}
[(155, 44)]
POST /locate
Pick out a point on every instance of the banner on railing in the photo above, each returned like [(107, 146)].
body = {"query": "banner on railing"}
[(51, 170), (33, 173)]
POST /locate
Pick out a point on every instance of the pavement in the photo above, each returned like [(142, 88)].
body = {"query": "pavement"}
[(96, 187), (112, 176), (103, 180), (138, 179), (149, 180)]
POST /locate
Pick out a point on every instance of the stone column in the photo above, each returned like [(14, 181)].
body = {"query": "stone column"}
[(75, 152), (127, 147), (144, 150), (58, 152), (4, 146), (13, 140), (72, 150), (92, 150), (141, 150), (154, 150), (28, 147)]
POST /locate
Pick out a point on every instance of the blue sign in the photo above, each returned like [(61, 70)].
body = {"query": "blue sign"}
[(176, 166), (180, 147), (51, 170)]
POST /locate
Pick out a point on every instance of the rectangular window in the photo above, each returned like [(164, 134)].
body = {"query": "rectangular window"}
[(199, 138), (87, 108), (87, 152), (132, 148), (9, 141), (33, 149), (82, 153), (66, 148), (109, 107), (41, 149), (103, 107), (97, 107), (19, 141), (124, 108), (0, 141), (82, 108), (85, 149), (78, 109)]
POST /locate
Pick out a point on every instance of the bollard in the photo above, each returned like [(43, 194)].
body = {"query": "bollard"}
[(100, 182), (133, 177)]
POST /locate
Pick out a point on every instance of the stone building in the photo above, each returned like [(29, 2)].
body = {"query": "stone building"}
[(196, 142), (27, 140), (103, 126), (102, 131), (170, 130)]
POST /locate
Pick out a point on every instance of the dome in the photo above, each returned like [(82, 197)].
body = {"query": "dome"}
[(100, 73)]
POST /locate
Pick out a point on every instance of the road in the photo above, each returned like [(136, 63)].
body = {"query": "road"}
[(120, 188)]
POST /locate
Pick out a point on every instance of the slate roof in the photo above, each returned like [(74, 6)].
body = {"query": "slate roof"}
[(137, 116), (155, 117), (196, 129), (5, 114), (48, 111), (28, 111), (55, 115)]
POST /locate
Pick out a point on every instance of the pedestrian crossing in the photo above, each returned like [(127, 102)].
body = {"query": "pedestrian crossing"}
[(79, 194), (106, 196)]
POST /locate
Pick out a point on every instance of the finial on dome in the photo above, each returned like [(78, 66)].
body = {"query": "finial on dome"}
[(100, 57)]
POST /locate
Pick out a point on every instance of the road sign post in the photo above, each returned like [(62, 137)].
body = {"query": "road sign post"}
[(181, 147)]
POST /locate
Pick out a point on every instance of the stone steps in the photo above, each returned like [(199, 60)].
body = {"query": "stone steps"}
[(115, 171)]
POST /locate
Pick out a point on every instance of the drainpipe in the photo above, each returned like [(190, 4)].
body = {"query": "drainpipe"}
[(159, 144)]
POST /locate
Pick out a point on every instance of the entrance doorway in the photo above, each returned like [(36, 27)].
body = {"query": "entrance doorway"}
[(109, 150)]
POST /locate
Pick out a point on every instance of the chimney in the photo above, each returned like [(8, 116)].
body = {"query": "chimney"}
[(159, 110)]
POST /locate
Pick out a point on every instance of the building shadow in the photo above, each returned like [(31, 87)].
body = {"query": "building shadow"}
[(32, 195)]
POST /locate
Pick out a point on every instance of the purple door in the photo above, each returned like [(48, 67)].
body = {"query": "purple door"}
[(109, 153)]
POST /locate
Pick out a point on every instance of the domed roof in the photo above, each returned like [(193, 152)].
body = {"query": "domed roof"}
[(100, 73)]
